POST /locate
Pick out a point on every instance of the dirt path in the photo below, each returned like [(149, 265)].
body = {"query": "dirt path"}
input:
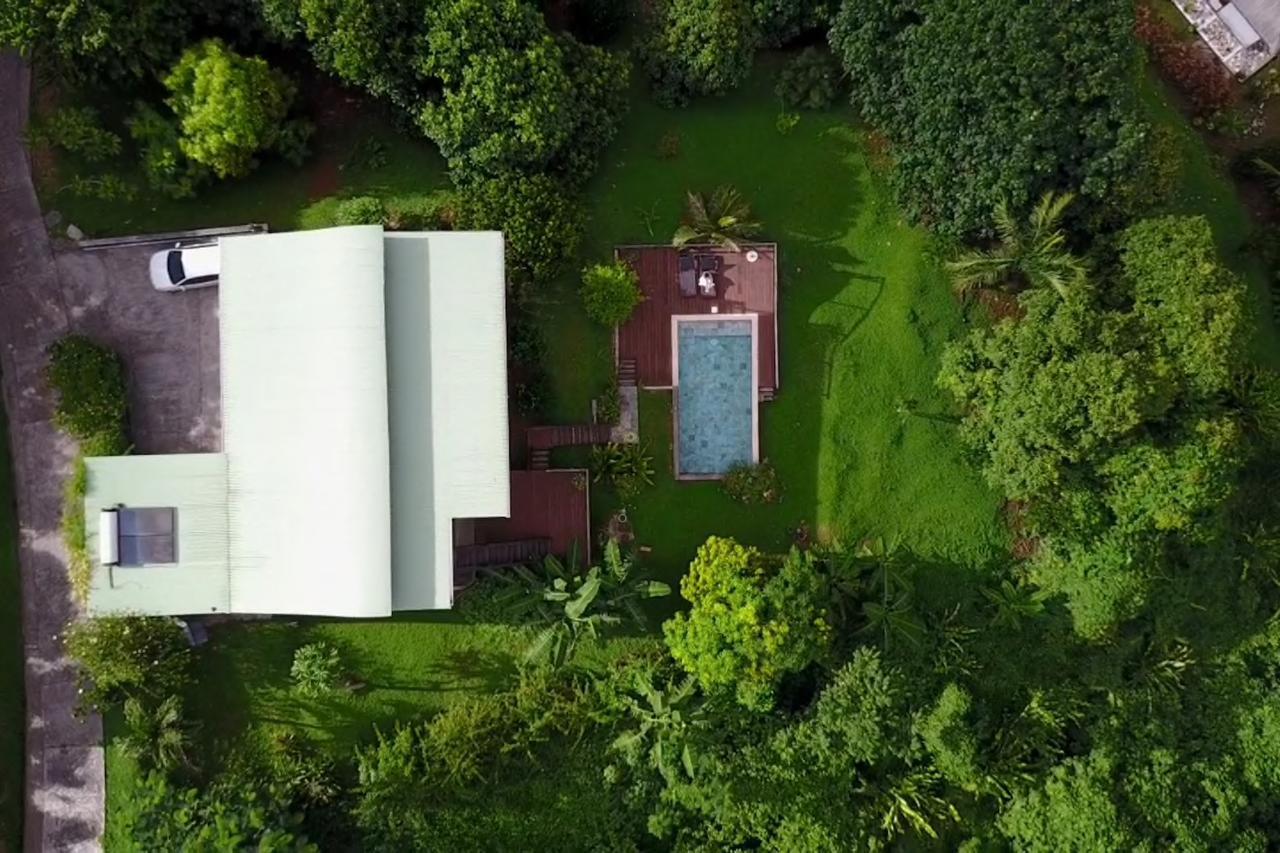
[(64, 771)]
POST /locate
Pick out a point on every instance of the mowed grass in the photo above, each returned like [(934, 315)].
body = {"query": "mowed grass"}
[(12, 715), (865, 309)]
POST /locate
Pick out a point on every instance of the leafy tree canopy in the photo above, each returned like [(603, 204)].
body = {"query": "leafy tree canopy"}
[(88, 38), (514, 97), (986, 100), (1118, 425), (230, 107), (700, 47), (753, 620)]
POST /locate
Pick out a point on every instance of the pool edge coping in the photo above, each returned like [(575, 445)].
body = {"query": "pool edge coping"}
[(753, 320)]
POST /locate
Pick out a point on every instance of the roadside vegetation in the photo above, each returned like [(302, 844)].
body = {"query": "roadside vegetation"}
[(1008, 576)]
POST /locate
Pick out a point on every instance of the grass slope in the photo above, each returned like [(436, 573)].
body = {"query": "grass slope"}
[(864, 312), (12, 717)]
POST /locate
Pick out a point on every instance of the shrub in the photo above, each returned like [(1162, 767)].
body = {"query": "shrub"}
[(78, 131), (541, 222), (811, 80), (609, 404), (628, 466), (753, 484), (167, 169), (123, 656), (361, 210), (610, 293), (79, 565), (316, 669), (102, 187), (526, 343), (533, 391), (433, 211), (157, 737), (699, 47), (89, 381), (1187, 63), (752, 620)]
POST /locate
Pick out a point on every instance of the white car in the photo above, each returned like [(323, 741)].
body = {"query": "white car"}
[(185, 268)]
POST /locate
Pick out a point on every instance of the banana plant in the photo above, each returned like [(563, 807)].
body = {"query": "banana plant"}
[(572, 605), (666, 723)]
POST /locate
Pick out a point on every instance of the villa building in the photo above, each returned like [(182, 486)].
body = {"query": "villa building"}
[(364, 412)]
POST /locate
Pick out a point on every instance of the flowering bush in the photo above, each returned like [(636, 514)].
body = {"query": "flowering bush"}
[(124, 656)]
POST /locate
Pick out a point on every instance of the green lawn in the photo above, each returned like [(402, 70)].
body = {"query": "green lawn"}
[(12, 718), (865, 310)]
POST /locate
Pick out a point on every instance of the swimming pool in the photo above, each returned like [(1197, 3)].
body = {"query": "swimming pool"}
[(715, 403)]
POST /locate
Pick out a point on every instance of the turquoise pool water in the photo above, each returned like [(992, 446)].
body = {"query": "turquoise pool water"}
[(715, 396)]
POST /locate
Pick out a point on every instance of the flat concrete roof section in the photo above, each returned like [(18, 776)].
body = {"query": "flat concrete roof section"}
[(364, 409)]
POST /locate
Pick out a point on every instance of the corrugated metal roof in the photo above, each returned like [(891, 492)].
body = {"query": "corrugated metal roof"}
[(447, 369), (1264, 15), (359, 373), (196, 485), (304, 422)]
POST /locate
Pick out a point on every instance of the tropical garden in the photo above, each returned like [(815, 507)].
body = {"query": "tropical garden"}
[(1010, 573)]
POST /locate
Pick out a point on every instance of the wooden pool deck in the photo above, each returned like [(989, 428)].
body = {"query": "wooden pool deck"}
[(743, 287), (550, 505)]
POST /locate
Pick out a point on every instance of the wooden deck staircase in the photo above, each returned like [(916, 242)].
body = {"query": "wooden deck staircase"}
[(627, 372), (766, 394), (540, 459), (499, 554), (547, 437)]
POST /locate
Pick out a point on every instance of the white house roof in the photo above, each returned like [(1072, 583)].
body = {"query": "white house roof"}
[(364, 409)]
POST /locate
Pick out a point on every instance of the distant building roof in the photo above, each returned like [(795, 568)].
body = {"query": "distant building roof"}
[(1244, 34), (364, 408)]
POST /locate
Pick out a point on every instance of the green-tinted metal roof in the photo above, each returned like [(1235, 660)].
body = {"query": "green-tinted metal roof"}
[(196, 485), (359, 372)]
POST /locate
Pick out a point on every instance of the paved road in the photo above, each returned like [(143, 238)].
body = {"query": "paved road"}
[(64, 773)]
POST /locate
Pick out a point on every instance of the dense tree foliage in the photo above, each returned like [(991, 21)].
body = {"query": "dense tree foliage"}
[(514, 97), (984, 100), (88, 38), (753, 619), (375, 46), (699, 47), (231, 107), (1119, 426)]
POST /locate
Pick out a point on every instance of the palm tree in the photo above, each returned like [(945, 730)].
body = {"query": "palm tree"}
[(157, 737), (1030, 254), (721, 221), (572, 604)]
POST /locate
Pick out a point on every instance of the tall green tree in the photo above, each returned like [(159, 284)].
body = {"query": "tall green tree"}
[(118, 39), (229, 108), (513, 97), (1030, 254), (753, 619), (990, 100), (699, 47), (1118, 426)]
